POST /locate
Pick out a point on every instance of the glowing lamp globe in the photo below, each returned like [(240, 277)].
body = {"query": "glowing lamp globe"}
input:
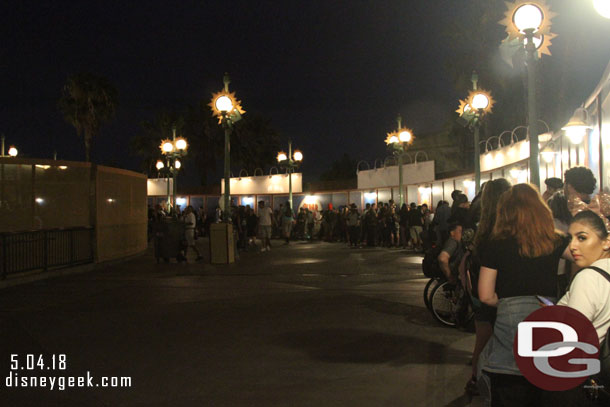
[(298, 156), (12, 151), (404, 136), (177, 164), (528, 17), (393, 140), (480, 101), (548, 156), (167, 147), (160, 164), (224, 104), (281, 156), (576, 133), (181, 144), (602, 7)]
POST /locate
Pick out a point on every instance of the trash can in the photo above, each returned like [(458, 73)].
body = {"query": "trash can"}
[(222, 245), (169, 240)]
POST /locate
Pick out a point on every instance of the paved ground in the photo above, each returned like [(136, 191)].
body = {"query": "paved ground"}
[(312, 324)]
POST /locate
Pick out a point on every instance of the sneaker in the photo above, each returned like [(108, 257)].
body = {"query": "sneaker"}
[(263, 249)]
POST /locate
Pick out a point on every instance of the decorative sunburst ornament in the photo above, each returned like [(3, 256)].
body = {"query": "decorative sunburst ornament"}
[(481, 100), (226, 103), (537, 13), (464, 108), (392, 138), (543, 42)]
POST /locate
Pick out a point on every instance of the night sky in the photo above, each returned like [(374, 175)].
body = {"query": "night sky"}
[(332, 75)]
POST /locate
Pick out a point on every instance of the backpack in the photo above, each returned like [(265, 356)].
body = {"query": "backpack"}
[(604, 347), (429, 264)]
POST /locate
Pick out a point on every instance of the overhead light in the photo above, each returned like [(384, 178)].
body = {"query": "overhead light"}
[(298, 156), (224, 103), (281, 156), (12, 151), (181, 143), (528, 17), (577, 127), (602, 7)]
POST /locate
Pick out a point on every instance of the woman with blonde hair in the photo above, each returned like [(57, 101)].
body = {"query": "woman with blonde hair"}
[(518, 262)]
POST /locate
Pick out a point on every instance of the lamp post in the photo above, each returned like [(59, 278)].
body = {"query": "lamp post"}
[(398, 141), (12, 150), (472, 110), (290, 162), (530, 22), (228, 110), (172, 151)]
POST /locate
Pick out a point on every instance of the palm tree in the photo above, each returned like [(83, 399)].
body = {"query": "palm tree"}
[(205, 137), (255, 143), (87, 101), (146, 143)]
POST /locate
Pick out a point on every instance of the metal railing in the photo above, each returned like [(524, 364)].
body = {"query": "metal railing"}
[(44, 249)]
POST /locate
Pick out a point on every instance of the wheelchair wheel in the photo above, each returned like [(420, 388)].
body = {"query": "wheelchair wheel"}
[(443, 304), (428, 291)]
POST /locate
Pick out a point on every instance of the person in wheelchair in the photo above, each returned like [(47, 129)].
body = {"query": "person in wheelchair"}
[(452, 252)]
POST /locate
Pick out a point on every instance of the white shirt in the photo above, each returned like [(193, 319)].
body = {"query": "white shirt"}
[(264, 216), (190, 218), (590, 294)]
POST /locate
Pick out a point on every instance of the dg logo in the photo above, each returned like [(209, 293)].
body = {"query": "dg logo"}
[(556, 348)]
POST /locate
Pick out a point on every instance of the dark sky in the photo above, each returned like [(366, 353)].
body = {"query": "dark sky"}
[(332, 75)]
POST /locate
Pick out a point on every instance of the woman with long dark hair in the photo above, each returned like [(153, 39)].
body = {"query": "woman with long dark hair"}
[(518, 262)]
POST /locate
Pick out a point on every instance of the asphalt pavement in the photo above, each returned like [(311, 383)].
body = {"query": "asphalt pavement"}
[(309, 324)]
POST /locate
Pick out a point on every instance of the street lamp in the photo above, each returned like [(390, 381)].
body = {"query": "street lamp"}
[(12, 150), (228, 109), (290, 161), (472, 110), (398, 142), (577, 127), (530, 23), (172, 151), (602, 7)]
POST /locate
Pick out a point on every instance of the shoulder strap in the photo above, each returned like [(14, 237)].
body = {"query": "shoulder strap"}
[(601, 271)]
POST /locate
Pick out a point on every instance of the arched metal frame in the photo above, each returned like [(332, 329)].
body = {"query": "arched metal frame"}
[(368, 167), (421, 152), (406, 154), (502, 144), (258, 169), (377, 159), (242, 170), (391, 157), (271, 171), (548, 130), (513, 135)]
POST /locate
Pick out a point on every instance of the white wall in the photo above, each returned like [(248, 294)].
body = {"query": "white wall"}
[(388, 176), (158, 186), (264, 184)]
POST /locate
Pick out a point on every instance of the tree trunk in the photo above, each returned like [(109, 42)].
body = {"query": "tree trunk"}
[(87, 139)]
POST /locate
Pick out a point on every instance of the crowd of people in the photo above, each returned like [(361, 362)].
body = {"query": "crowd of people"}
[(522, 246), (382, 224)]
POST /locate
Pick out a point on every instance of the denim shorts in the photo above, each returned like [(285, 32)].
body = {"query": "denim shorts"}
[(498, 353)]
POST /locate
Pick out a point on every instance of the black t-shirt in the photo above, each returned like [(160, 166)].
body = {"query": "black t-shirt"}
[(518, 275), (416, 218)]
